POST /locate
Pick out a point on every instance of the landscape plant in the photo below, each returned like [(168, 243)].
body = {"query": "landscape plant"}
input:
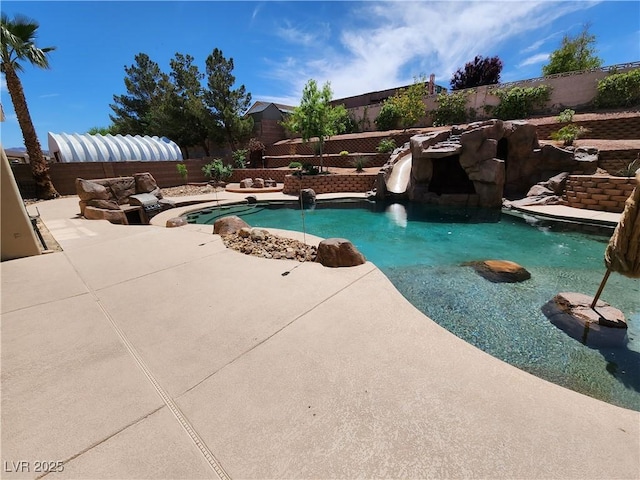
[(315, 117), (574, 54), (217, 171), (240, 158), (480, 71), (386, 145), (18, 46), (388, 118), (569, 132), (182, 171), (295, 165), (360, 163), (520, 102), (619, 90), (344, 153), (452, 108), (631, 169)]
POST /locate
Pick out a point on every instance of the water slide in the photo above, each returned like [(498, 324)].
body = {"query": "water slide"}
[(399, 178)]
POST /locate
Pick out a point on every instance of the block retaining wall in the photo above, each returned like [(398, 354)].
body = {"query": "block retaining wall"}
[(599, 192), (331, 160), (615, 160), (334, 183), (626, 128)]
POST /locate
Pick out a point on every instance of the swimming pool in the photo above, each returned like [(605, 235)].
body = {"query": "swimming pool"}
[(421, 248)]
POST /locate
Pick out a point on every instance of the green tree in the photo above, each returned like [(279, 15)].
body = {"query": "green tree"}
[(100, 130), (575, 53), (315, 117), (227, 105), (181, 114), (146, 87), (18, 46), (409, 103)]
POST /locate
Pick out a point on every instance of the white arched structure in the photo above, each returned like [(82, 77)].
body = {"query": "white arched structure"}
[(76, 147)]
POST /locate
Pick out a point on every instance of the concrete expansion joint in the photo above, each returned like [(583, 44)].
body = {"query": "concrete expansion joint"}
[(162, 393)]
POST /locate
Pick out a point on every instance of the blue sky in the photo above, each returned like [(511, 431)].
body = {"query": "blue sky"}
[(278, 46)]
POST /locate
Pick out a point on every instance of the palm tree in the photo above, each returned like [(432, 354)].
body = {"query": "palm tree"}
[(17, 46)]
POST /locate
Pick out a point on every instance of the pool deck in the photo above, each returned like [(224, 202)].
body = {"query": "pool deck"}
[(150, 352)]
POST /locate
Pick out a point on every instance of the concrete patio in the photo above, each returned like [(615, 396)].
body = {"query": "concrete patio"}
[(148, 352)]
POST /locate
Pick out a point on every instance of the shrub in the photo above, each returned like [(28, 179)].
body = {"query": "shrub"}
[(619, 90), (310, 169), (519, 102), (388, 118), (452, 108), (386, 145), (569, 133), (217, 171), (240, 158), (631, 169), (182, 171), (295, 165), (344, 153), (359, 163)]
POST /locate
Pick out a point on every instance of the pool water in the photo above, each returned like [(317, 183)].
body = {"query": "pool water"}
[(420, 248)]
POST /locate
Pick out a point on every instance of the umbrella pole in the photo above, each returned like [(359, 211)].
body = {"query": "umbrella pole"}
[(602, 284)]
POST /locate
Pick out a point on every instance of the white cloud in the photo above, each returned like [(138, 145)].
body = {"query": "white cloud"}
[(384, 45), (534, 60), (49, 95)]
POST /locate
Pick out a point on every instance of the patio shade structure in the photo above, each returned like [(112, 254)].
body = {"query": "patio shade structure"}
[(623, 251)]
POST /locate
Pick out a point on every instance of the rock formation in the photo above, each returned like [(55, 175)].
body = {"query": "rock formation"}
[(480, 163), (500, 271)]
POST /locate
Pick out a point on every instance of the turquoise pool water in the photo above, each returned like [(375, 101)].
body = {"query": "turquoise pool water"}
[(421, 247)]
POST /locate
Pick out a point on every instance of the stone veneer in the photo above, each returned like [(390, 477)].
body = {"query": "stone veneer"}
[(599, 192), (333, 183)]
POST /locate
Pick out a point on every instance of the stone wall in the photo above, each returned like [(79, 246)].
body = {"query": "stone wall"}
[(330, 160), (604, 193), (356, 183)]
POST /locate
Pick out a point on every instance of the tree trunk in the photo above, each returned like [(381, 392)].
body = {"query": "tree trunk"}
[(39, 166)]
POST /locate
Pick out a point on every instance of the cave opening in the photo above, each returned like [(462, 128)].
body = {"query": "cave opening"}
[(449, 177)]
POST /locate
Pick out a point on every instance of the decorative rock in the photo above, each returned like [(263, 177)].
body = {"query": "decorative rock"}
[(338, 252), (244, 232), (308, 196), (602, 326), (251, 199), (145, 183), (90, 190), (258, 235), (269, 182), (500, 271), (246, 183), (106, 204), (539, 191), (176, 222), (167, 203), (258, 183), (113, 216), (227, 225), (122, 188)]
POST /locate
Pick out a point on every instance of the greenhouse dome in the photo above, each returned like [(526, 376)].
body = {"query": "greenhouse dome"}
[(77, 147)]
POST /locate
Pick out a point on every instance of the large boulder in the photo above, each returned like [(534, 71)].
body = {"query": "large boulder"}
[(228, 225), (338, 252), (122, 188), (145, 183), (500, 271), (601, 326), (88, 190)]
